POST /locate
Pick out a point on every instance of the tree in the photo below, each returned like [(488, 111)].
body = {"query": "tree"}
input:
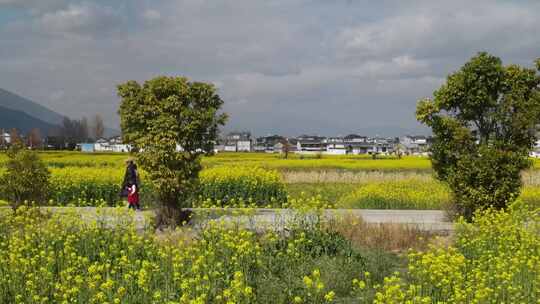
[(67, 133), (26, 179), (98, 126), (84, 133), (74, 131), (285, 148), (483, 120), (3, 142), (14, 137), (165, 113), (34, 138), (400, 149)]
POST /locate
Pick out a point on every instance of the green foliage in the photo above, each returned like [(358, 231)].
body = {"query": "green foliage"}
[(26, 178), (163, 114), (483, 119), (255, 184)]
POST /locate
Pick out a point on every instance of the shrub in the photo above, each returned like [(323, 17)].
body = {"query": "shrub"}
[(26, 178), (483, 121), (252, 184)]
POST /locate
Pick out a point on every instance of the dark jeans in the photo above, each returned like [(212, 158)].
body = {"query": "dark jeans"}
[(135, 206)]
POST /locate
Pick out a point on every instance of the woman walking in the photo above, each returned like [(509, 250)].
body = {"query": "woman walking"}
[(130, 185)]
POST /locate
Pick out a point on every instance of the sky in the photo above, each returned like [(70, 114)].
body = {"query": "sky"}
[(281, 66)]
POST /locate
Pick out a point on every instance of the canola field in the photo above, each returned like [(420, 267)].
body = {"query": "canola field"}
[(69, 257), (64, 259), (268, 180)]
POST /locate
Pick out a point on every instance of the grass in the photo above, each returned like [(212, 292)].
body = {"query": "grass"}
[(388, 237)]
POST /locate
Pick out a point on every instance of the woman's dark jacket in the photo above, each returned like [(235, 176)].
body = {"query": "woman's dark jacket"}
[(130, 177)]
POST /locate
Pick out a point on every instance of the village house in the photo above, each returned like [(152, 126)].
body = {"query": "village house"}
[(289, 144), (269, 144), (5, 138), (383, 145), (335, 146), (113, 144), (356, 144), (310, 144), (237, 142), (414, 145)]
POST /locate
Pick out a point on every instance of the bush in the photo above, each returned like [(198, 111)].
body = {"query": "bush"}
[(26, 178), (252, 184), (483, 120)]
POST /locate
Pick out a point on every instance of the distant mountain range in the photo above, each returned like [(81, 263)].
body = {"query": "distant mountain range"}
[(24, 114), (23, 122)]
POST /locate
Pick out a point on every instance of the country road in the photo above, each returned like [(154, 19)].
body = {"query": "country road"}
[(261, 219)]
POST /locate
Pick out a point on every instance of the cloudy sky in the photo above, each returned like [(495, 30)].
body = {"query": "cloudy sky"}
[(282, 66)]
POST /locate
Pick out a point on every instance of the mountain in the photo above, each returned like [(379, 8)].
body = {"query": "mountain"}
[(23, 122), (35, 115), (15, 102)]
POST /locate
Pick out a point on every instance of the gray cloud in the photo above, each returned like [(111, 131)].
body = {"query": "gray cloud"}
[(288, 66)]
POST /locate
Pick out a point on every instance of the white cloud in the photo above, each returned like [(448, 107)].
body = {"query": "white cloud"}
[(437, 30), (79, 18)]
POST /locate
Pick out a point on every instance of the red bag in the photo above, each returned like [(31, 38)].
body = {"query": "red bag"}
[(133, 196)]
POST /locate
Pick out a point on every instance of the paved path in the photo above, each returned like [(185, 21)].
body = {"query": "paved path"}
[(430, 220)]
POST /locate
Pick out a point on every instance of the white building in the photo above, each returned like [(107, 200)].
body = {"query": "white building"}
[(230, 147), (238, 142), (269, 144), (112, 145), (335, 146), (243, 146), (414, 144), (307, 144), (6, 138), (120, 148)]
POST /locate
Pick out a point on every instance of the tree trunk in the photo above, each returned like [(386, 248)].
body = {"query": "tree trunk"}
[(172, 216)]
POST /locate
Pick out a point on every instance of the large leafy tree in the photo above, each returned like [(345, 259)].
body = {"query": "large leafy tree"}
[(484, 122), (163, 116)]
